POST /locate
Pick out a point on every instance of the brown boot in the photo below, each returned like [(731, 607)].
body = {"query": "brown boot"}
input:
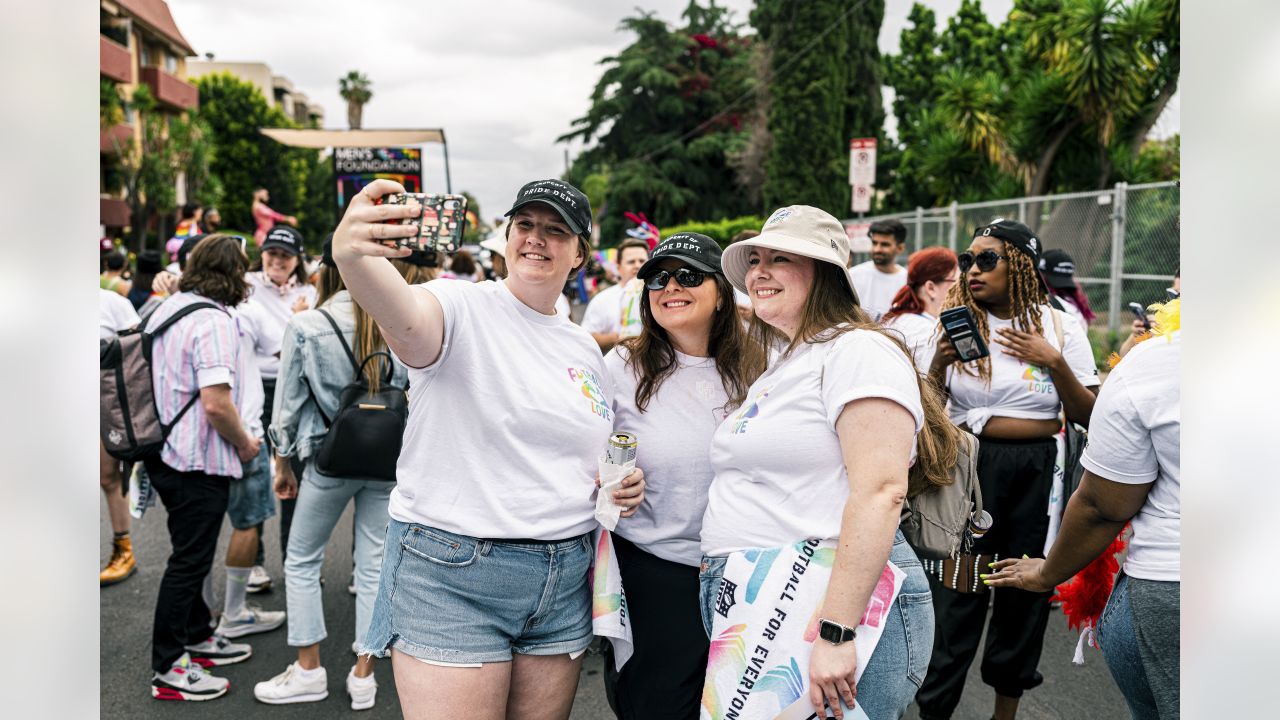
[(122, 563)]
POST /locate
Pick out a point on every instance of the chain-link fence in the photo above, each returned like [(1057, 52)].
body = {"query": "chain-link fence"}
[(1124, 241)]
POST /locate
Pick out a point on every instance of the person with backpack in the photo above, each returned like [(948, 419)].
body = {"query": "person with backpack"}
[(198, 371), (322, 350), (802, 555), (1040, 364)]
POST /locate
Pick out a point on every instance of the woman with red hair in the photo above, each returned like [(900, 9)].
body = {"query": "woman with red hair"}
[(914, 313)]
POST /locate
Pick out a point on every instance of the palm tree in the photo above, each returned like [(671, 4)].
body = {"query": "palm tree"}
[(356, 89)]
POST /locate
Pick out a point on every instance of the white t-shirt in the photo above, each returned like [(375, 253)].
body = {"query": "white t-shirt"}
[(1019, 390), (505, 427), (919, 331), (779, 472), (604, 312), (115, 313), (1070, 308), (876, 289), (563, 307), (252, 396), (1134, 438), (674, 450), (277, 303)]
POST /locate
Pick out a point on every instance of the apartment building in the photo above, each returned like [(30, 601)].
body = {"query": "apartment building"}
[(278, 90)]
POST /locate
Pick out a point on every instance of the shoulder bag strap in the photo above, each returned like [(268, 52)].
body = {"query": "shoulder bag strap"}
[(342, 338)]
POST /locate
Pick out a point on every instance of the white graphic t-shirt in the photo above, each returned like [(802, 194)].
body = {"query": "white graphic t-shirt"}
[(1134, 437), (919, 331), (673, 448), (505, 427), (876, 289), (779, 471), (1018, 389)]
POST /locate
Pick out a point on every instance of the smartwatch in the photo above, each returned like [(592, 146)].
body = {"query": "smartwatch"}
[(834, 632)]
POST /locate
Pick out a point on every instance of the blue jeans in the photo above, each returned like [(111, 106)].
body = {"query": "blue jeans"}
[(901, 658), (1139, 638), (252, 499), (321, 500)]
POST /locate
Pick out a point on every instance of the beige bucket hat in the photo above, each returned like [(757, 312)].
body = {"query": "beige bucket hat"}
[(798, 229)]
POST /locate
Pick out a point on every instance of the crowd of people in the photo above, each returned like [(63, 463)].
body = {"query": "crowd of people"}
[(787, 406)]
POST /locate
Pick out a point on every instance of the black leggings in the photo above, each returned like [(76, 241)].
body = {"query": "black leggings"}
[(1016, 478)]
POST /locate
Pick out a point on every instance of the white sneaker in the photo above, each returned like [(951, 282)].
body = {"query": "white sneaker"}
[(254, 620), (187, 681), (259, 580), (294, 685), (363, 690), (217, 650)]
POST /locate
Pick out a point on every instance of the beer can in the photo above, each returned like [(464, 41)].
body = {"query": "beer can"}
[(621, 449)]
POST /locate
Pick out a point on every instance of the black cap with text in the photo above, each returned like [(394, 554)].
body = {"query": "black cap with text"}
[(567, 200), (695, 249)]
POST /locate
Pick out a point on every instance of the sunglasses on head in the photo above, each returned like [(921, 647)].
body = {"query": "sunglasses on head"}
[(686, 277), (986, 260)]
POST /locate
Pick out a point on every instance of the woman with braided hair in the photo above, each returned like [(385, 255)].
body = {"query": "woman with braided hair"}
[(1040, 365)]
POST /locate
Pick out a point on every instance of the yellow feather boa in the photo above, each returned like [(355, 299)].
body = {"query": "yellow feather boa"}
[(1166, 319)]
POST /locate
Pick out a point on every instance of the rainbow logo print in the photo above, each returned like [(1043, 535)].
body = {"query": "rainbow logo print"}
[(1038, 379), (728, 652), (602, 601), (748, 411), (591, 389)]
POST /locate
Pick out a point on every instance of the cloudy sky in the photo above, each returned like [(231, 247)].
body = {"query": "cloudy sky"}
[(504, 78)]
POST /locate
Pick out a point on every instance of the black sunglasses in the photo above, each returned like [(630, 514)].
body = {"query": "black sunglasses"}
[(687, 277), (986, 260)]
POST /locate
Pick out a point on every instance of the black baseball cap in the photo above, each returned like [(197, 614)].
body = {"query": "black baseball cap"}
[(1058, 269), (697, 250), (283, 237), (566, 199), (1014, 233)]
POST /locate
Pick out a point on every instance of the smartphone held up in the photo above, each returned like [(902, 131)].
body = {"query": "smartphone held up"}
[(441, 224), (962, 331)]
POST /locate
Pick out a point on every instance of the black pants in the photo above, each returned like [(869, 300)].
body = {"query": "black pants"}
[(663, 679), (286, 506), (1016, 479), (196, 504)]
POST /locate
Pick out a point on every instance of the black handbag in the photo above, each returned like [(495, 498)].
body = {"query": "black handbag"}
[(363, 440)]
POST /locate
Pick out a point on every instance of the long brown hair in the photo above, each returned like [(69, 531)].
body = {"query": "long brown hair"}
[(215, 269), (369, 337), (739, 358), (330, 284), (828, 313), (1026, 297)]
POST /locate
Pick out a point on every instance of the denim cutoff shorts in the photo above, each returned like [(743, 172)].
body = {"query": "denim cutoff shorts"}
[(251, 499), (901, 658), (450, 598)]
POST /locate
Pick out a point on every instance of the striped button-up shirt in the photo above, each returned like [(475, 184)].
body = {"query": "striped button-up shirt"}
[(200, 350)]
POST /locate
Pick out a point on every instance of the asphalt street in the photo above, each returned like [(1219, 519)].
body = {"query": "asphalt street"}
[(126, 610)]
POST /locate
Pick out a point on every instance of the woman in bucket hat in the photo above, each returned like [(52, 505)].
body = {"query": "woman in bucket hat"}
[(803, 561)]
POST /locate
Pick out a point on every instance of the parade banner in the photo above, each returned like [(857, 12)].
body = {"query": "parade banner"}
[(354, 168), (764, 626)]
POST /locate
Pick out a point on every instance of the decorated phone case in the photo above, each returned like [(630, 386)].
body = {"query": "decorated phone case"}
[(441, 224)]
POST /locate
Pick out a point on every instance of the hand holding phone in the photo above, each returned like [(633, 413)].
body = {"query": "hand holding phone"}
[(962, 331), (440, 226), (1140, 313)]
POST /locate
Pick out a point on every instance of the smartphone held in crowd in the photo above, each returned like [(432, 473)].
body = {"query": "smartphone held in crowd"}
[(719, 478)]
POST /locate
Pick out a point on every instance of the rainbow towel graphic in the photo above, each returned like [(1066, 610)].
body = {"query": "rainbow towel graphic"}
[(608, 601), (764, 625)]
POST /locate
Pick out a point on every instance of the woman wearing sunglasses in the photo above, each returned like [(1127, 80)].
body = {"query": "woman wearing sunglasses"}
[(1040, 365), (800, 539), (690, 366), (914, 311)]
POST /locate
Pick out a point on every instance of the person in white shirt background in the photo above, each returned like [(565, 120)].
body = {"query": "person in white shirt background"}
[(1012, 401), (931, 273), (673, 384), (1132, 474), (877, 280), (605, 313)]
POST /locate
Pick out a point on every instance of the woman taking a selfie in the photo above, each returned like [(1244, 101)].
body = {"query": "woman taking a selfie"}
[(1011, 400), (483, 602), (673, 384), (800, 538)]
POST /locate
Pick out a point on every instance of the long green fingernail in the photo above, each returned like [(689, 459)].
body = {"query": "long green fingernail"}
[(1024, 556), (991, 564), (982, 576)]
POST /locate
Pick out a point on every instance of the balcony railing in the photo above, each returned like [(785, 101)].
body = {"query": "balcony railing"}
[(115, 139), (169, 90), (114, 60)]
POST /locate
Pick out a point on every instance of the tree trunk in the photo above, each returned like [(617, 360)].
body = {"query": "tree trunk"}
[(1162, 100), (354, 111), (1039, 184)]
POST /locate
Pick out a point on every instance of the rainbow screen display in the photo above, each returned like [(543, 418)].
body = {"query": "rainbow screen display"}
[(354, 168)]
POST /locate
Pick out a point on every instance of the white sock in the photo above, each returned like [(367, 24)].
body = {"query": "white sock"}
[(309, 674), (237, 581), (206, 592)]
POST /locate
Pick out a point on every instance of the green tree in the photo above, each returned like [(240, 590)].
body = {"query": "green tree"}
[(357, 89), (820, 96), (149, 170), (662, 123)]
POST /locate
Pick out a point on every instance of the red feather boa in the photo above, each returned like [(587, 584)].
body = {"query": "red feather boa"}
[(1084, 596)]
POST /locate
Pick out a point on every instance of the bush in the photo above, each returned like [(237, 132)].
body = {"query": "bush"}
[(721, 231)]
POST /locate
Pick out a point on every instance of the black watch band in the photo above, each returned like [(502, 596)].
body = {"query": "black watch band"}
[(834, 632)]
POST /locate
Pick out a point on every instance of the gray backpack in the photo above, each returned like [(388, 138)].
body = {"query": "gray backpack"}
[(130, 422), (936, 522)]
